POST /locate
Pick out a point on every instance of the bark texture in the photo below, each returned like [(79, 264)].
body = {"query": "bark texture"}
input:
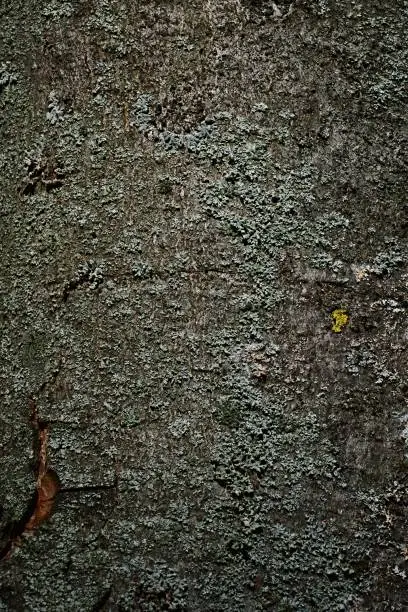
[(204, 283)]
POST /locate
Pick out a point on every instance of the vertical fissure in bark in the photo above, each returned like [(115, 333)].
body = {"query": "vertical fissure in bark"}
[(42, 501)]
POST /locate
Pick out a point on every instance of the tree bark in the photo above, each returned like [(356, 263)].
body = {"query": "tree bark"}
[(204, 305)]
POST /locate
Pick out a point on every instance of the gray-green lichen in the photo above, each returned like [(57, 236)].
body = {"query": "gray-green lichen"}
[(189, 191)]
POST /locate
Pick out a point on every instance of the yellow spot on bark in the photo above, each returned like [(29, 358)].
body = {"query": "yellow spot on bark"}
[(340, 319)]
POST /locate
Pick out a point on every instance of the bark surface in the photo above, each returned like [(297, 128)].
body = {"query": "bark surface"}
[(204, 293)]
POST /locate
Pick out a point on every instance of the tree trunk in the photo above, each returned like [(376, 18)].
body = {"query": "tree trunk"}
[(204, 299)]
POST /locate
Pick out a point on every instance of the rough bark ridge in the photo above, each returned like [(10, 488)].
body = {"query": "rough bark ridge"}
[(204, 299)]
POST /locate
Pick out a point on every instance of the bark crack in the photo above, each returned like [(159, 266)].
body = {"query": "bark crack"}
[(91, 488), (41, 503), (104, 599), (48, 483)]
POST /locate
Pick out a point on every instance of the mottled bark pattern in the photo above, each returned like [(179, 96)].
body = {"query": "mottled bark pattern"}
[(203, 291)]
